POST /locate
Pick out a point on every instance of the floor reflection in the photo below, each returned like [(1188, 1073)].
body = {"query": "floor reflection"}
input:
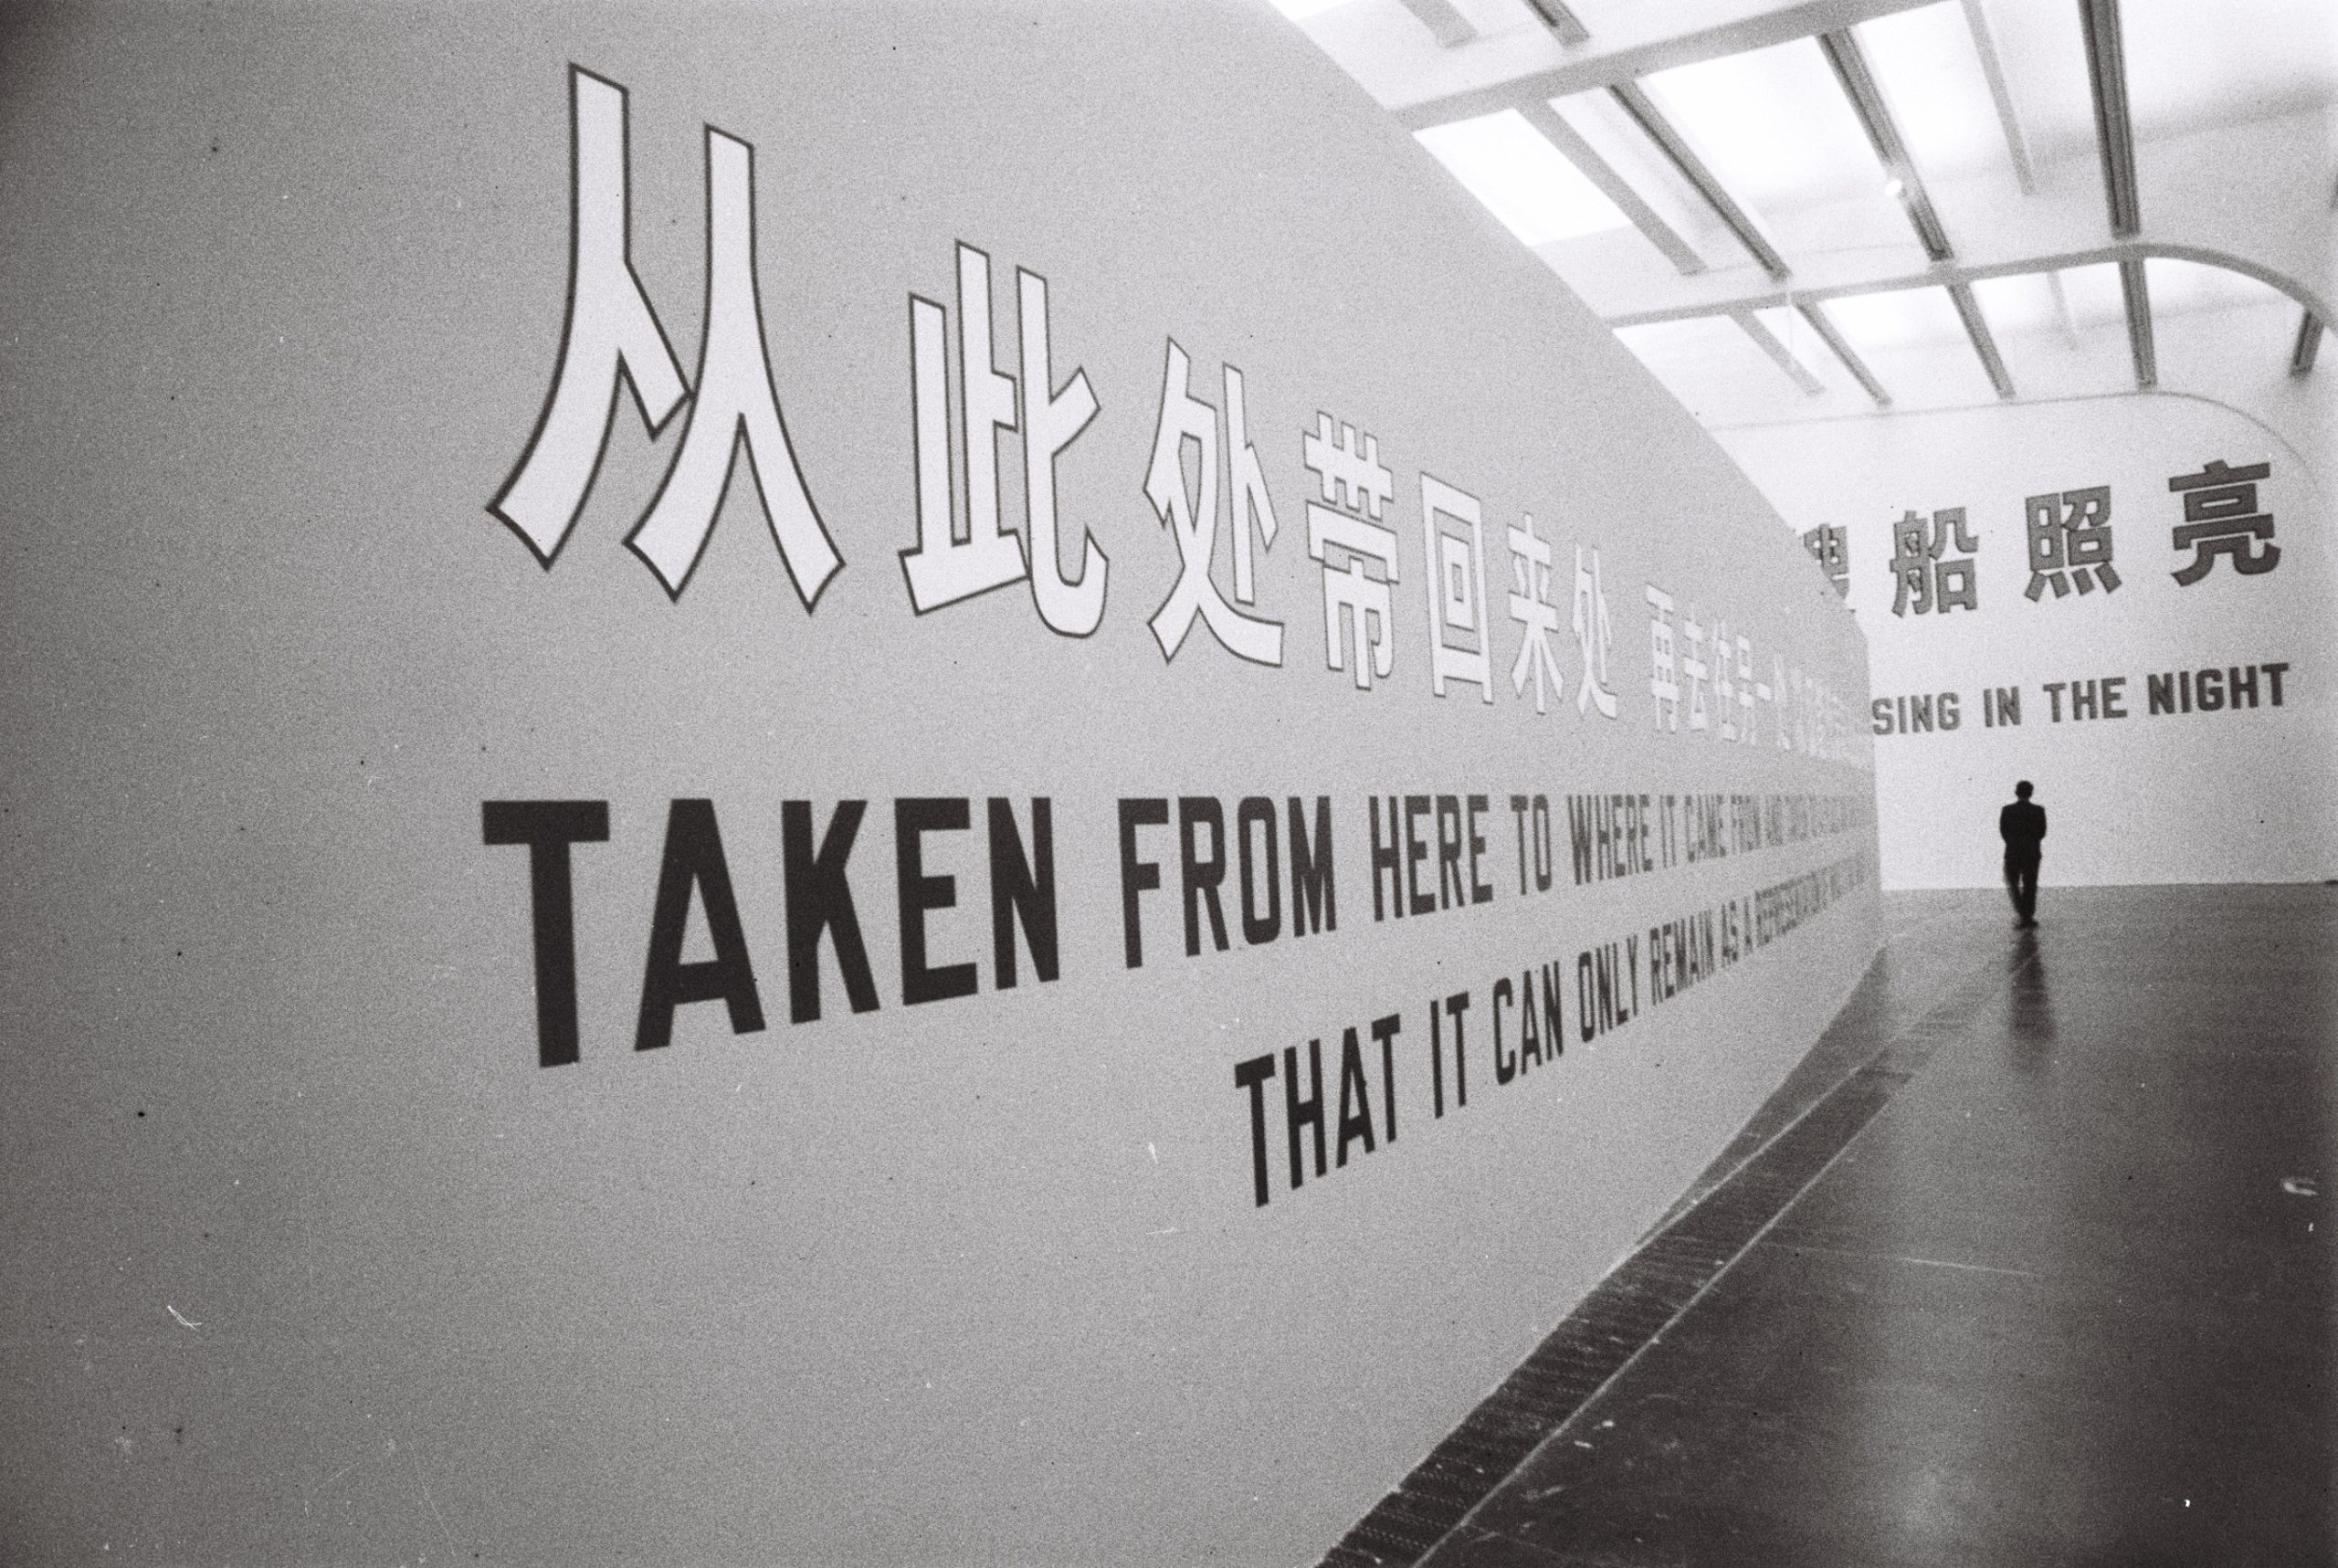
[(2031, 1025)]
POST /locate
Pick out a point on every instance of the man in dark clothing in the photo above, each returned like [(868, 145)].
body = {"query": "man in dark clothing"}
[(2023, 828)]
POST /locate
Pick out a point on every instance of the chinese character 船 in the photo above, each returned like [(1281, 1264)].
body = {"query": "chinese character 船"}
[(1920, 576)]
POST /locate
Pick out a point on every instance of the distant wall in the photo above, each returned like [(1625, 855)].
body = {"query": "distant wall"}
[(2176, 731), (797, 1041)]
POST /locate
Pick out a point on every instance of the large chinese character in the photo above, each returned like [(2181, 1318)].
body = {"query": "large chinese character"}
[(1595, 635), (1919, 574), (2220, 518), (1531, 608), (612, 333), (1830, 546), (2069, 540), (1194, 519), (944, 566), (1453, 548), (1663, 681), (1358, 490)]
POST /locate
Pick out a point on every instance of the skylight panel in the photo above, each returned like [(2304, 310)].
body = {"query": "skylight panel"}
[(2022, 305), (1930, 73), (1773, 124), (1900, 318), (1521, 179)]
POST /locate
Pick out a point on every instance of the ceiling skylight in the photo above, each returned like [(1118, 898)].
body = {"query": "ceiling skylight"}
[(1522, 179), (1930, 72), (1774, 124)]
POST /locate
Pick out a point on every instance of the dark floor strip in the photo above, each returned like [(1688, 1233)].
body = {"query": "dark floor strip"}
[(1632, 1307)]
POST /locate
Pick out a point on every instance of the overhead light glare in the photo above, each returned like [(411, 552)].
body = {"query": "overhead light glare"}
[(1521, 179), (1893, 186)]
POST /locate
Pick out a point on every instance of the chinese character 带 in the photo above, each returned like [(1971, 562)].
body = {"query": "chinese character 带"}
[(1358, 489)]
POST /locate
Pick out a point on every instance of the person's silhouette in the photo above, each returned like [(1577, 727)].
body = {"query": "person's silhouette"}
[(2023, 828)]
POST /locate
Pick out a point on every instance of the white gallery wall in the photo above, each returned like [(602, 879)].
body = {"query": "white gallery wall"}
[(838, 784), (2177, 731)]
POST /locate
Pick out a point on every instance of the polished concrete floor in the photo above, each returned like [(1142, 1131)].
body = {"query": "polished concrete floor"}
[(2057, 1292)]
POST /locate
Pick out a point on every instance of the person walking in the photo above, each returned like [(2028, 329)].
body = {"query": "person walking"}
[(2022, 825)]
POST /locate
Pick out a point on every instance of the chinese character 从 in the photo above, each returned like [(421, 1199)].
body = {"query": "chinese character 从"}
[(1663, 681), (1830, 546), (2220, 518), (1357, 491), (941, 568), (2069, 539), (1453, 549), (1530, 607), (1187, 418), (612, 333), (1595, 635), (1919, 574)]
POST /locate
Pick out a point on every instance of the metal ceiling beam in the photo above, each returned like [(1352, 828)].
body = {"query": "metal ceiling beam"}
[(2136, 290), (1564, 24), (2309, 343), (1976, 328), (1444, 21), (1741, 223), (2064, 317), (1837, 344), (1659, 230), (1984, 44), (1503, 71), (2106, 70), (1842, 50), (1770, 343)]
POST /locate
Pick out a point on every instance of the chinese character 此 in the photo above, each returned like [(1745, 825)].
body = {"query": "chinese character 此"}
[(2070, 533), (1184, 419), (1920, 576), (1358, 489), (1455, 556), (1830, 546), (1531, 607), (1663, 682), (2220, 518), (941, 568), (1595, 635)]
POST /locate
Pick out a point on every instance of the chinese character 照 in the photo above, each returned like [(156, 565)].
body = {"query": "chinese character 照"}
[(2069, 540)]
